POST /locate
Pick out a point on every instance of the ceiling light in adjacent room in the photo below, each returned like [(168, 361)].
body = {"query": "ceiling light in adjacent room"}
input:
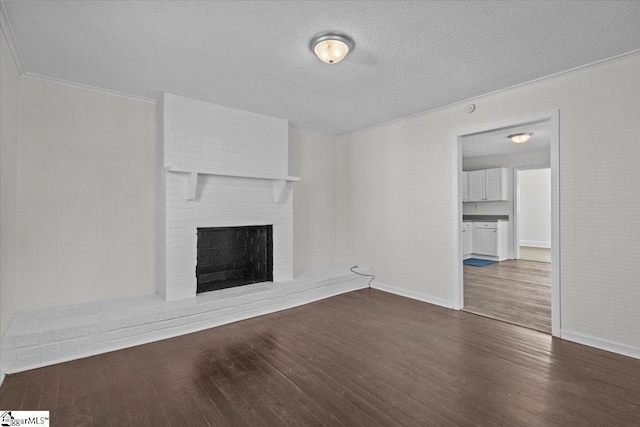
[(331, 47), (520, 138)]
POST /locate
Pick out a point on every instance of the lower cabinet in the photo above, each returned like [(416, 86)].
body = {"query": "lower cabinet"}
[(489, 240), (467, 238), (486, 241)]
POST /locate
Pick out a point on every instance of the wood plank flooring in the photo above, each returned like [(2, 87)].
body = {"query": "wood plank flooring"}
[(366, 358), (515, 291)]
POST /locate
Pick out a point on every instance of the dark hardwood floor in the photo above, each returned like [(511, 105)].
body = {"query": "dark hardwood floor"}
[(364, 358), (514, 291)]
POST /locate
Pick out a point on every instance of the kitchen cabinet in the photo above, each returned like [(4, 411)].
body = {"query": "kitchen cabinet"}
[(465, 186), (486, 241), (467, 238), (487, 185), (491, 239), (476, 186), (495, 184)]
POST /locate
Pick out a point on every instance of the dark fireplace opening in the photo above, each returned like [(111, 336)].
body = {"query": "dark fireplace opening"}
[(234, 256)]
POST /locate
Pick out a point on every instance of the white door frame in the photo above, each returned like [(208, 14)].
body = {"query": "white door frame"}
[(516, 206), (553, 117)]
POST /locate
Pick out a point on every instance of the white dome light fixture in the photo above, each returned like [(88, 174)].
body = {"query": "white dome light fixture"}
[(520, 138), (331, 47)]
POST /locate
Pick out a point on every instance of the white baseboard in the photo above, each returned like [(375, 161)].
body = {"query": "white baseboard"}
[(607, 345), (564, 334), (535, 244), (1, 374), (485, 257), (412, 294)]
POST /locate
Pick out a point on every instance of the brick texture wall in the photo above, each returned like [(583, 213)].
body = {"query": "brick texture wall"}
[(208, 137)]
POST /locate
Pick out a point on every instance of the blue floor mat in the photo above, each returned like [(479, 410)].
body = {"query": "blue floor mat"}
[(477, 262)]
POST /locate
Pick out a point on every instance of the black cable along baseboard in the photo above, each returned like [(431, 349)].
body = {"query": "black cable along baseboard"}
[(366, 275)]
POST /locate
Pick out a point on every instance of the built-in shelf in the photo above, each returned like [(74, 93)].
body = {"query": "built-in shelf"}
[(279, 183)]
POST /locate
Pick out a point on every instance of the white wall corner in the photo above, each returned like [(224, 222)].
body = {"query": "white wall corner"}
[(602, 344), (11, 40), (160, 203), (442, 302), (7, 30)]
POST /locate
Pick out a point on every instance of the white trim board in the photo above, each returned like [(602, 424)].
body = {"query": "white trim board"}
[(7, 30), (412, 294), (601, 344), (535, 244), (87, 87), (587, 340), (486, 95), (4, 22)]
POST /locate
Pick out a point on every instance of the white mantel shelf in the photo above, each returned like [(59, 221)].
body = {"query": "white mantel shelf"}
[(179, 169), (279, 183)]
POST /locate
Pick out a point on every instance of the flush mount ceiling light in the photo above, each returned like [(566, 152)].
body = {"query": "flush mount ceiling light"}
[(331, 47), (520, 138)]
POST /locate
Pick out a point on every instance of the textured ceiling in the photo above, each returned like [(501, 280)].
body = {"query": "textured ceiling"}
[(496, 142), (409, 57)]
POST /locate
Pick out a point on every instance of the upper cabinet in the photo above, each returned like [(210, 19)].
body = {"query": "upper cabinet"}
[(488, 185), (465, 186), (495, 181), (476, 186)]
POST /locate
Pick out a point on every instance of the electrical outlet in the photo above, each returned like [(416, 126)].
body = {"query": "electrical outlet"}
[(477, 207)]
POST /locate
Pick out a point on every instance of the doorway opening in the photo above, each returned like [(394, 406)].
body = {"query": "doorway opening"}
[(507, 222), (532, 214)]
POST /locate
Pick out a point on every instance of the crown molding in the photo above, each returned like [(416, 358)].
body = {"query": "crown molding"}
[(7, 30), (17, 57), (89, 87), (11, 40), (486, 95)]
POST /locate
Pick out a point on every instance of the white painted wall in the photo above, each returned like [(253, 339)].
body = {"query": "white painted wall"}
[(395, 198), (314, 158), (85, 197), (535, 208), (91, 177), (9, 113), (85, 174)]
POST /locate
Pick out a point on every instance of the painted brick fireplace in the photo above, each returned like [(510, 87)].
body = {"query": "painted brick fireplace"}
[(230, 163), (222, 169)]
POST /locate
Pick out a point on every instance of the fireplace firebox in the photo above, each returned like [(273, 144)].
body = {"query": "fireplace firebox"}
[(234, 256)]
